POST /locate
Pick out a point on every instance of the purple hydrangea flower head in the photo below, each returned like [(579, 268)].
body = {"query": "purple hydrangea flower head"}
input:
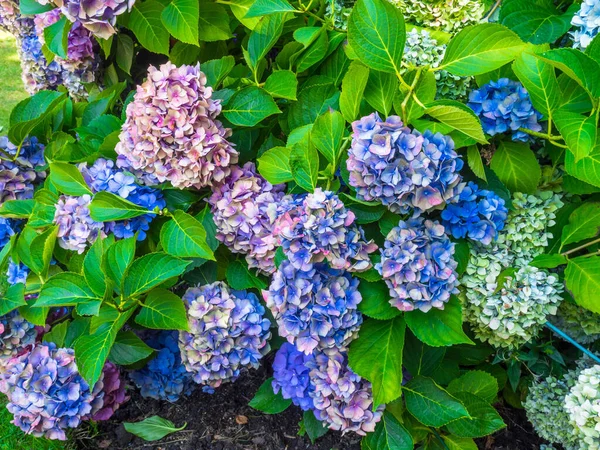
[(317, 227), (17, 273), (46, 394), (16, 335), (291, 376), (400, 167), (76, 229), (9, 15), (228, 332), (245, 208), (341, 398), (8, 227), (504, 106), (112, 392), (315, 308), (165, 376), (417, 265), (98, 16), (475, 213), (18, 177), (172, 132)]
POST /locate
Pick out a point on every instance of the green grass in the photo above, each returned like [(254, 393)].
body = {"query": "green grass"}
[(11, 86)]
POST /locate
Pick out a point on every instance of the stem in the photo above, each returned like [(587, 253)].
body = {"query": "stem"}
[(568, 338), (549, 137), (410, 93), (493, 10), (581, 247), (437, 435)]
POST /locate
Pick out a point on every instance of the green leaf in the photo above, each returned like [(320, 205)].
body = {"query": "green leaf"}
[(389, 434), (17, 209), (475, 162), (439, 327), (32, 115), (481, 48), (377, 34), (153, 428), (40, 251), (32, 7), (65, 289), (149, 271), (548, 261), (217, 69), (579, 132), (214, 22), (250, 106), (274, 165), (587, 169), (377, 356), (92, 268), (68, 179), (476, 382), (163, 310), (240, 278), (313, 426), (304, 162), (282, 84), (188, 54), (327, 134), (264, 7), (425, 90), (457, 443), (57, 334), (535, 23), (313, 101), (146, 23), (185, 236), (574, 97), (376, 301), (239, 10), (265, 400), (129, 349), (584, 223), (483, 418), (381, 90), (581, 278), (56, 36), (125, 52), (180, 18), (353, 89), (118, 258), (517, 167), (430, 404), (457, 116), (106, 207), (540, 80), (576, 65), (13, 298)]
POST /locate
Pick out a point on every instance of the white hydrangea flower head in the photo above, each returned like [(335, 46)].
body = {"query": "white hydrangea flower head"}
[(582, 403), (444, 15)]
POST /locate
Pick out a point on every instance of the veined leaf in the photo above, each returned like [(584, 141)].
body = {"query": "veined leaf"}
[(163, 310), (12, 298), (267, 401), (327, 134), (584, 223), (579, 132), (516, 166), (180, 18), (150, 271), (483, 418), (581, 278), (475, 162), (541, 83), (476, 382), (106, 207), (457, 116), (146, 23), (65, 289), (576, 65), (250, 106), (68, 179), (353, 88), (265, 7), (153, 428), (380, 91), (274, 165), (128, 349), (282, 84), (185, 236), (389, 434)]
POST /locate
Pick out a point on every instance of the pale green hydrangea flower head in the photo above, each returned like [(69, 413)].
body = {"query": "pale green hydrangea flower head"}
[(579, 323), (445, 15), (582, 404)]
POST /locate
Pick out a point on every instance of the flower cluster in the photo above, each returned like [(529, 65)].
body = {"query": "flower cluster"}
[(16, 335), (417, 265), (402, 168), (8, 228), (291, 375), (579, 323), (46, 394), (16, 273), (171, 132), (423, 50), (76, 228), (112, 392), (339, 12), (99, 17), (545, 408), (475, 213), (582, 403), (587, 21), (18, 177), (445, 15), (228, 332), (245, 207), (165, 376), (503, 106), (517, 312), (317, 227), (315, 308)]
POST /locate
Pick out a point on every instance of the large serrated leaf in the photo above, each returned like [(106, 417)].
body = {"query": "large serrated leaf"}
[(517, 167), (581, 278), (146, 23), (185, 236), (180, 18)]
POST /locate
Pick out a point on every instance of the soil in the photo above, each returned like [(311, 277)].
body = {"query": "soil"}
[(224, 421)]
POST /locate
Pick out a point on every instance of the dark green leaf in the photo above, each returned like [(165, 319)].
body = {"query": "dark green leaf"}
[(149, 271), (146, 23), (57, 334), (124, 56), (217, 69), (163, 310), (476, 382), (376, 301), (483, 418), (32, 115), (128, 349), (389, 434), (516, 166), (250, 106), (13, 298), (106, 207), (214, 22), (267, 401), (314, 427), (56, 36), (548, 261), (185, 236), (577, 66), (117, 259), (240, 278), (65, 289)]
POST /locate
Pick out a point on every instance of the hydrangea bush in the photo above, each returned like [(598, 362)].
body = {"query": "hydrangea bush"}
[(335, 190)]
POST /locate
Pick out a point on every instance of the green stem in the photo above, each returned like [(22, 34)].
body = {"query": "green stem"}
[(549, 137), (581, 247), (437, 435), (409, 94)]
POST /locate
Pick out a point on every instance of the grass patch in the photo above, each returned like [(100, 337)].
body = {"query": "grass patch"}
[(11, 86)]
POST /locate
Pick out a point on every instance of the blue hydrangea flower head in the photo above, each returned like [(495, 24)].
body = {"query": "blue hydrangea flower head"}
[(505, 106), (18, 177), (228, 333), (17, 273), (8, 227), (291, 375), (165, 376), (418, 266), (314, 308), (477, 214), (587, 21), (400, 167)]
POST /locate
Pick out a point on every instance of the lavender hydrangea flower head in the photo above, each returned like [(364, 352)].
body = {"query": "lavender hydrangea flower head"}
[(291, 375), (244, 207), (98, 16), (318, 227), (228, 333), (46, 394), (503, 106), (19, 178), (112, 392), (172, 132), (16, 335), (317, 308), (76, 229), (341, 398), (165, 376), (587, 21), (402, 168), (417, 265), (475, 213)]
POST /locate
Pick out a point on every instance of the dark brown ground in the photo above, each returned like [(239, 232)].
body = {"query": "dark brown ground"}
[(213, 425)]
